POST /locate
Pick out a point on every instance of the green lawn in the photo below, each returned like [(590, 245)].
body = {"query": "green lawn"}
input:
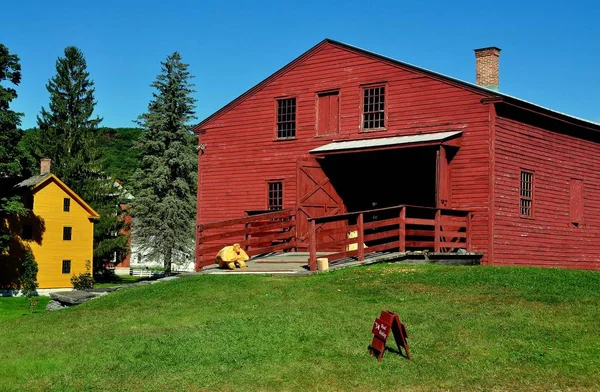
[(471, 328), (118, 280), (17, 307)]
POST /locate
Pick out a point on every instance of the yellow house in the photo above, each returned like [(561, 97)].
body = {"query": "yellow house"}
[(60, 230)]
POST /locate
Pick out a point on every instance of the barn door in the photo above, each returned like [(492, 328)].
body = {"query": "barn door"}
[(316, 197)]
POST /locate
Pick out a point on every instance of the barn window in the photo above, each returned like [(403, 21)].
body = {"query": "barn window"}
[(373, 108), (576, 196), (66, 266), (275, 197), (66, 204), (526, 190), (67, 233), (286, 118)]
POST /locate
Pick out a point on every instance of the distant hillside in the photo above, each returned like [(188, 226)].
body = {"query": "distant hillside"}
[(121, 157)]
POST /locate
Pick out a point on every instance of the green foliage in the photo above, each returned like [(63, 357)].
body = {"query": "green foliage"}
[(122, 158), (69, 135), (164, 208), (10, 156), (31, 150), (10, 134), (84, 280), (28, 278), (470, 329)]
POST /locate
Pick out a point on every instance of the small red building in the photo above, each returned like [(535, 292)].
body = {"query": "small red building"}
[(341, 129)]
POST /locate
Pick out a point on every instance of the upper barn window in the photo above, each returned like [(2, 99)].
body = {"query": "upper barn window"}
[(526, 191), (286, 118), (373, 108)]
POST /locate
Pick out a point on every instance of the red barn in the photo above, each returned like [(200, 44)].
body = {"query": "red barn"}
[(341, 131)]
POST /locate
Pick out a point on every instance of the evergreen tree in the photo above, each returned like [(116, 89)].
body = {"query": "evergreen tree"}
[(10, 134), (69, 135), (164, 208)]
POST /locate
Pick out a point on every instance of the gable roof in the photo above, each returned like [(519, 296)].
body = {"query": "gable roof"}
[(327, 41), (34, 183)]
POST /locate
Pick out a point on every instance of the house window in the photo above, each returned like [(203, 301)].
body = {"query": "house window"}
[(67, 233), (66, 266), (526, 190), (374, 108), (576, 196), (286, 118), (275, 197), (27, 232), (66, 204)]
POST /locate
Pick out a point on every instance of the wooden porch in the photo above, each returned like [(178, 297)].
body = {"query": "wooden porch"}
[(401, 232)]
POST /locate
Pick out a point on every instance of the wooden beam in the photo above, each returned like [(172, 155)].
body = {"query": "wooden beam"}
[(402, 230), (312, 245), (436, 246), (361, 238)]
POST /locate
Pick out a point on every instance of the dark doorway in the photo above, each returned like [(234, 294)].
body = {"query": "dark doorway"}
[(379, 179)]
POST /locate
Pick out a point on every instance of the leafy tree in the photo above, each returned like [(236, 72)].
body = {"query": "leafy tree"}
[(10, 134), (69, 135), (164, 208)]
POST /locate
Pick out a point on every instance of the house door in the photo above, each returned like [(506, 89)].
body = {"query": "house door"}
[(316, 198)]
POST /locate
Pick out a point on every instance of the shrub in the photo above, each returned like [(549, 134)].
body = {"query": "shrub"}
[(84, 280), (28, 278)]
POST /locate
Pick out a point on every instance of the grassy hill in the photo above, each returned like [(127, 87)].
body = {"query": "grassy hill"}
[(470, 328)]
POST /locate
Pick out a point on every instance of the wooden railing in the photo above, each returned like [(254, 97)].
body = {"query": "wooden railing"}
[(398, 228), (256, 234)]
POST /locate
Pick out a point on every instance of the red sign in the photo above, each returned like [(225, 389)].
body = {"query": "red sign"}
[(386, 322), (381, 329)]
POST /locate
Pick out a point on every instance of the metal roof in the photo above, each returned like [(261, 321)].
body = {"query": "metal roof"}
[(385, 141)]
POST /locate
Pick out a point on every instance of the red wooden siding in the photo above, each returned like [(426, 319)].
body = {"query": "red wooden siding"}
[(549, 237), (241, 150)]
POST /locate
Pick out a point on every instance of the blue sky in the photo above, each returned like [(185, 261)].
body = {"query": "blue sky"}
[(550, 49)]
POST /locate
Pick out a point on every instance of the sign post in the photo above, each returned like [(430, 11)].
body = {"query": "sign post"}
[(388, 322)]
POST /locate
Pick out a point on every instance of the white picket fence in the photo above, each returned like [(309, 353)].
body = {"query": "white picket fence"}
[(145, 273)]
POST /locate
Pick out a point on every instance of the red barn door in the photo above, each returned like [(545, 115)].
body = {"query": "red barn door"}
[(316, 197)]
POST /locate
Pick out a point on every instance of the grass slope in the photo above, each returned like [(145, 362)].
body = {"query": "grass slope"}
[(471, 328), (15, 307)]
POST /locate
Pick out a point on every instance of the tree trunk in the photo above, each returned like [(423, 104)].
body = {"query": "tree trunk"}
[(167, 261)]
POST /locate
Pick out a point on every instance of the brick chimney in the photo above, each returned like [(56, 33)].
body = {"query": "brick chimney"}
[(486, 66), (45, 166)]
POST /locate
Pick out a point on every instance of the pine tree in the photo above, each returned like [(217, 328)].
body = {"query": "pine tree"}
[(69, 135), (164, 208), (10, 134)]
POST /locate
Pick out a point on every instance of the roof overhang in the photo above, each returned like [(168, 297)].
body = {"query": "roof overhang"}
[(450, 138)]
